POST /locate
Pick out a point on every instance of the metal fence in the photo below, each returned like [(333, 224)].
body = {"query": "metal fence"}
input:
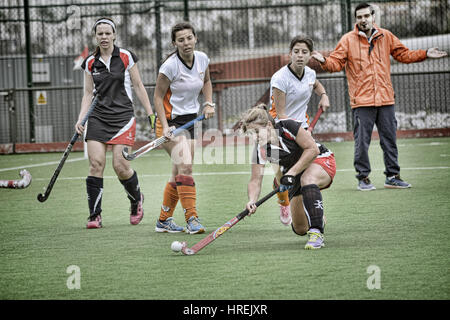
[(40, 92)]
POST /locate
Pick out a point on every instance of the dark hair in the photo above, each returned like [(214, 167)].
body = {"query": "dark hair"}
[(302, 39), (179, 27), (363, 6)]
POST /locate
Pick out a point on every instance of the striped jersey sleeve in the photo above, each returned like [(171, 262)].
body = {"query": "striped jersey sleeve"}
[(128, 58), (87, 64)]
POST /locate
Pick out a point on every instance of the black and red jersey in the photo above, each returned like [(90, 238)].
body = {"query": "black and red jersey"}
[(112, 82), (287, 152)]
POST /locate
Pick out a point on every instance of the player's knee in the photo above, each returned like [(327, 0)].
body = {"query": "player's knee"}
[(299, 229), (121, 169), (96, 167), (185, 169)]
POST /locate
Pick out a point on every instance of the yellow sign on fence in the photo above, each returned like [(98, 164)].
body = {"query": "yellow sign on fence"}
[(41, 98)]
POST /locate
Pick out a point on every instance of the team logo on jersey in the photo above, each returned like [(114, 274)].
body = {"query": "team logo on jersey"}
[(202, 75)]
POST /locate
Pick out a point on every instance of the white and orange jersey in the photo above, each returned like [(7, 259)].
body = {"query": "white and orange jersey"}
[(298, 92), (185, 84)]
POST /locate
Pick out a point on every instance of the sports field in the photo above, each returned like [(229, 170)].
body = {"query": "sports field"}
[(401, 236)]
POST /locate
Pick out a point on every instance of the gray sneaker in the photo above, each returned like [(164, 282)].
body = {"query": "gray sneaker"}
[(365, 185), (194, 226), (395, 182), (168, 226)]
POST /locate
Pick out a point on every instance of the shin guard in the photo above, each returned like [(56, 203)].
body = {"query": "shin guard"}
[(187, 193), (94, 188), (132, 188), (170, 200), (313, 206)]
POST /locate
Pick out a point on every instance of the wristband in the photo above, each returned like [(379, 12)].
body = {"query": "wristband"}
[(211, 104), (323, 94), (152, 120)]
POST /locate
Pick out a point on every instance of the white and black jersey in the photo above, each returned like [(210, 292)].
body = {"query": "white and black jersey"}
[(287, 152)]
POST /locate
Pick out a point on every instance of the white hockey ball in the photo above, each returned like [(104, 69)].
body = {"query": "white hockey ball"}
[(176, 246)]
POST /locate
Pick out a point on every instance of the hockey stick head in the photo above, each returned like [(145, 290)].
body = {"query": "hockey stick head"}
[(127, 155), (42, 197), (187, 251)]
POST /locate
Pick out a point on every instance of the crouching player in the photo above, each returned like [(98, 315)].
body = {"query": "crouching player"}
[(307, 167)]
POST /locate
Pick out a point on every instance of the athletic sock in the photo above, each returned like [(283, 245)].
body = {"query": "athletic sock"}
[(313, 205), (283, 197), (132, 188), (187, 193), (170, 200), (94, 188)]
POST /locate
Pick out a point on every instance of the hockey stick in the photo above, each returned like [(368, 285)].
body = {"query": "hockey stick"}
[(156, 143), (17, 184), (316, 117), (221, 230), (43, 196)]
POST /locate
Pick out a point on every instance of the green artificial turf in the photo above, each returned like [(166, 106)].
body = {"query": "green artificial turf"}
[(403, 233)]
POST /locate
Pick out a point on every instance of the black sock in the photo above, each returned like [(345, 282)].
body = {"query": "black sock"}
[(132, 188), (312, 202), (94, 188)]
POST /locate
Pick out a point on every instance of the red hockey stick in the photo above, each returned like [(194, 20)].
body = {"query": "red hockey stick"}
[(221, 230), (316, 117)]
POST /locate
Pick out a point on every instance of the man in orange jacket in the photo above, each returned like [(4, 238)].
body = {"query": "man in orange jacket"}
[(365, 53)]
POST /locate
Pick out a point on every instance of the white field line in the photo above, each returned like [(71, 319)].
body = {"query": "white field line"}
[(40, 164), (57, 162), (267, 172)]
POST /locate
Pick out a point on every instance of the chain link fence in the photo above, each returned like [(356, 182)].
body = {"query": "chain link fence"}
[(246, 40)]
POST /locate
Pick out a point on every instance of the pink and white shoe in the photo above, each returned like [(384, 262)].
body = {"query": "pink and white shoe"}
[(137, 211), (285, 215), (94, 222)]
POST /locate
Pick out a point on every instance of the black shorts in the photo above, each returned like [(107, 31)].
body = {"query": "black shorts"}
[(112, 131), (178, 122)]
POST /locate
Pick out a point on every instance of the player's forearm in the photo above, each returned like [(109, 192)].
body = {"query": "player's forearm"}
[(319, 89), (207, 91), (305, 160), (253, 190), (143, 98), (85, 103), (159, 109), (254, 185)]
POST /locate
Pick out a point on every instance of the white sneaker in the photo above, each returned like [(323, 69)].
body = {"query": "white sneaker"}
[(285, 215)]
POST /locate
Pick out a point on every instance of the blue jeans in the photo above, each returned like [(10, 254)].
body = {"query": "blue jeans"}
[(364, 119)]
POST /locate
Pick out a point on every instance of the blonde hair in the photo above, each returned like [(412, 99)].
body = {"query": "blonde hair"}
[(256, 115)]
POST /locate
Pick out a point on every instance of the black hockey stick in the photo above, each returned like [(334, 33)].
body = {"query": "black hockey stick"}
[(43, 196)]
